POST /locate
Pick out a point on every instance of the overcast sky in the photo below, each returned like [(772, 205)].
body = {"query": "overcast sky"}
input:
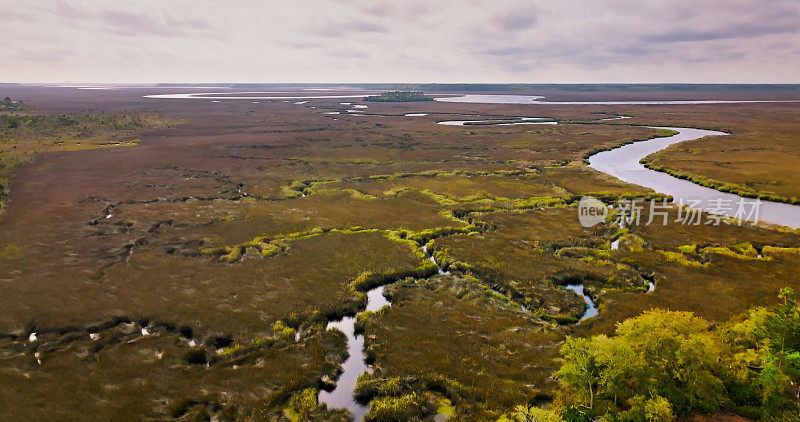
[(400, 41)]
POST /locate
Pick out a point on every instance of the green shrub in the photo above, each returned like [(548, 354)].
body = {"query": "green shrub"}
[(524, 413), (303, 406), (404, 408), (656, 409)]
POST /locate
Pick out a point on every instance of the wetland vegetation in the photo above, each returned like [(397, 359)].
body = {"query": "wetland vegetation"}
[(23, 135), (192, 276)]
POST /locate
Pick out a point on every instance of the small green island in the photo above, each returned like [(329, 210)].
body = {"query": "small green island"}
[(9, 104), (399, 97)]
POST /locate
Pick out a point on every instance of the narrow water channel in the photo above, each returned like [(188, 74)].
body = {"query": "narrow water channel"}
[(501, 122), (433, 259), (591, 310), (342, 395)]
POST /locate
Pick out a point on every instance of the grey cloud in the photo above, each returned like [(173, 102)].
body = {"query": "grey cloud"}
[(349, 53), (624, 33), (299, 45), (66, 9), (17, 16), (48, 55), (516, 51), (504, 27), (733, 19), (743, 30), (505, 34), (416, 40), (13, 16), (365, 26), (519, 20), (132, 24), (379, 9), (344, 28), (407, 10)]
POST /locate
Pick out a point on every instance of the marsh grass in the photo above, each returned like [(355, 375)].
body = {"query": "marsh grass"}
[(462, 356), (524, 256), (448, 188), (122, 377), (224, 223), (717, 275), (23, 135), (248, 227)]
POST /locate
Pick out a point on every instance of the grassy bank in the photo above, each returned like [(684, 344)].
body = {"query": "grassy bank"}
[(721, 186)]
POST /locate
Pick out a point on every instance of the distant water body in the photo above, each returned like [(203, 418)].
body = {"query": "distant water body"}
[(469, 98), (250, 96), (536, 99)]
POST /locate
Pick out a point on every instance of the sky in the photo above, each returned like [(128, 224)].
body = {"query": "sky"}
[(458, 41)]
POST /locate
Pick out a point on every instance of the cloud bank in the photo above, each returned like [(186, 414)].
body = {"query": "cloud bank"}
[(401, 41)]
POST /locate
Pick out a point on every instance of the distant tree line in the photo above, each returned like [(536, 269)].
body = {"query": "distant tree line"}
[(399, 97)]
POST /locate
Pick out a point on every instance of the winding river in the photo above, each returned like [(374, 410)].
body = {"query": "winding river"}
[(623, 163), (468, 98)]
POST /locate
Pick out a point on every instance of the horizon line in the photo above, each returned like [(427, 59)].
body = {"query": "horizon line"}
[(397, 83)]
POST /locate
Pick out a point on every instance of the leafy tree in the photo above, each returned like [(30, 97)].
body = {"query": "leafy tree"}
[(9, 104), (682, 358), (655, 409), (663, 364), (669, 357), (765, 348), (783, 325), (599, 367), (580, 369)]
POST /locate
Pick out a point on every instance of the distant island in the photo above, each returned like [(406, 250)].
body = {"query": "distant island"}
[(9, 104), (399, 97)]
